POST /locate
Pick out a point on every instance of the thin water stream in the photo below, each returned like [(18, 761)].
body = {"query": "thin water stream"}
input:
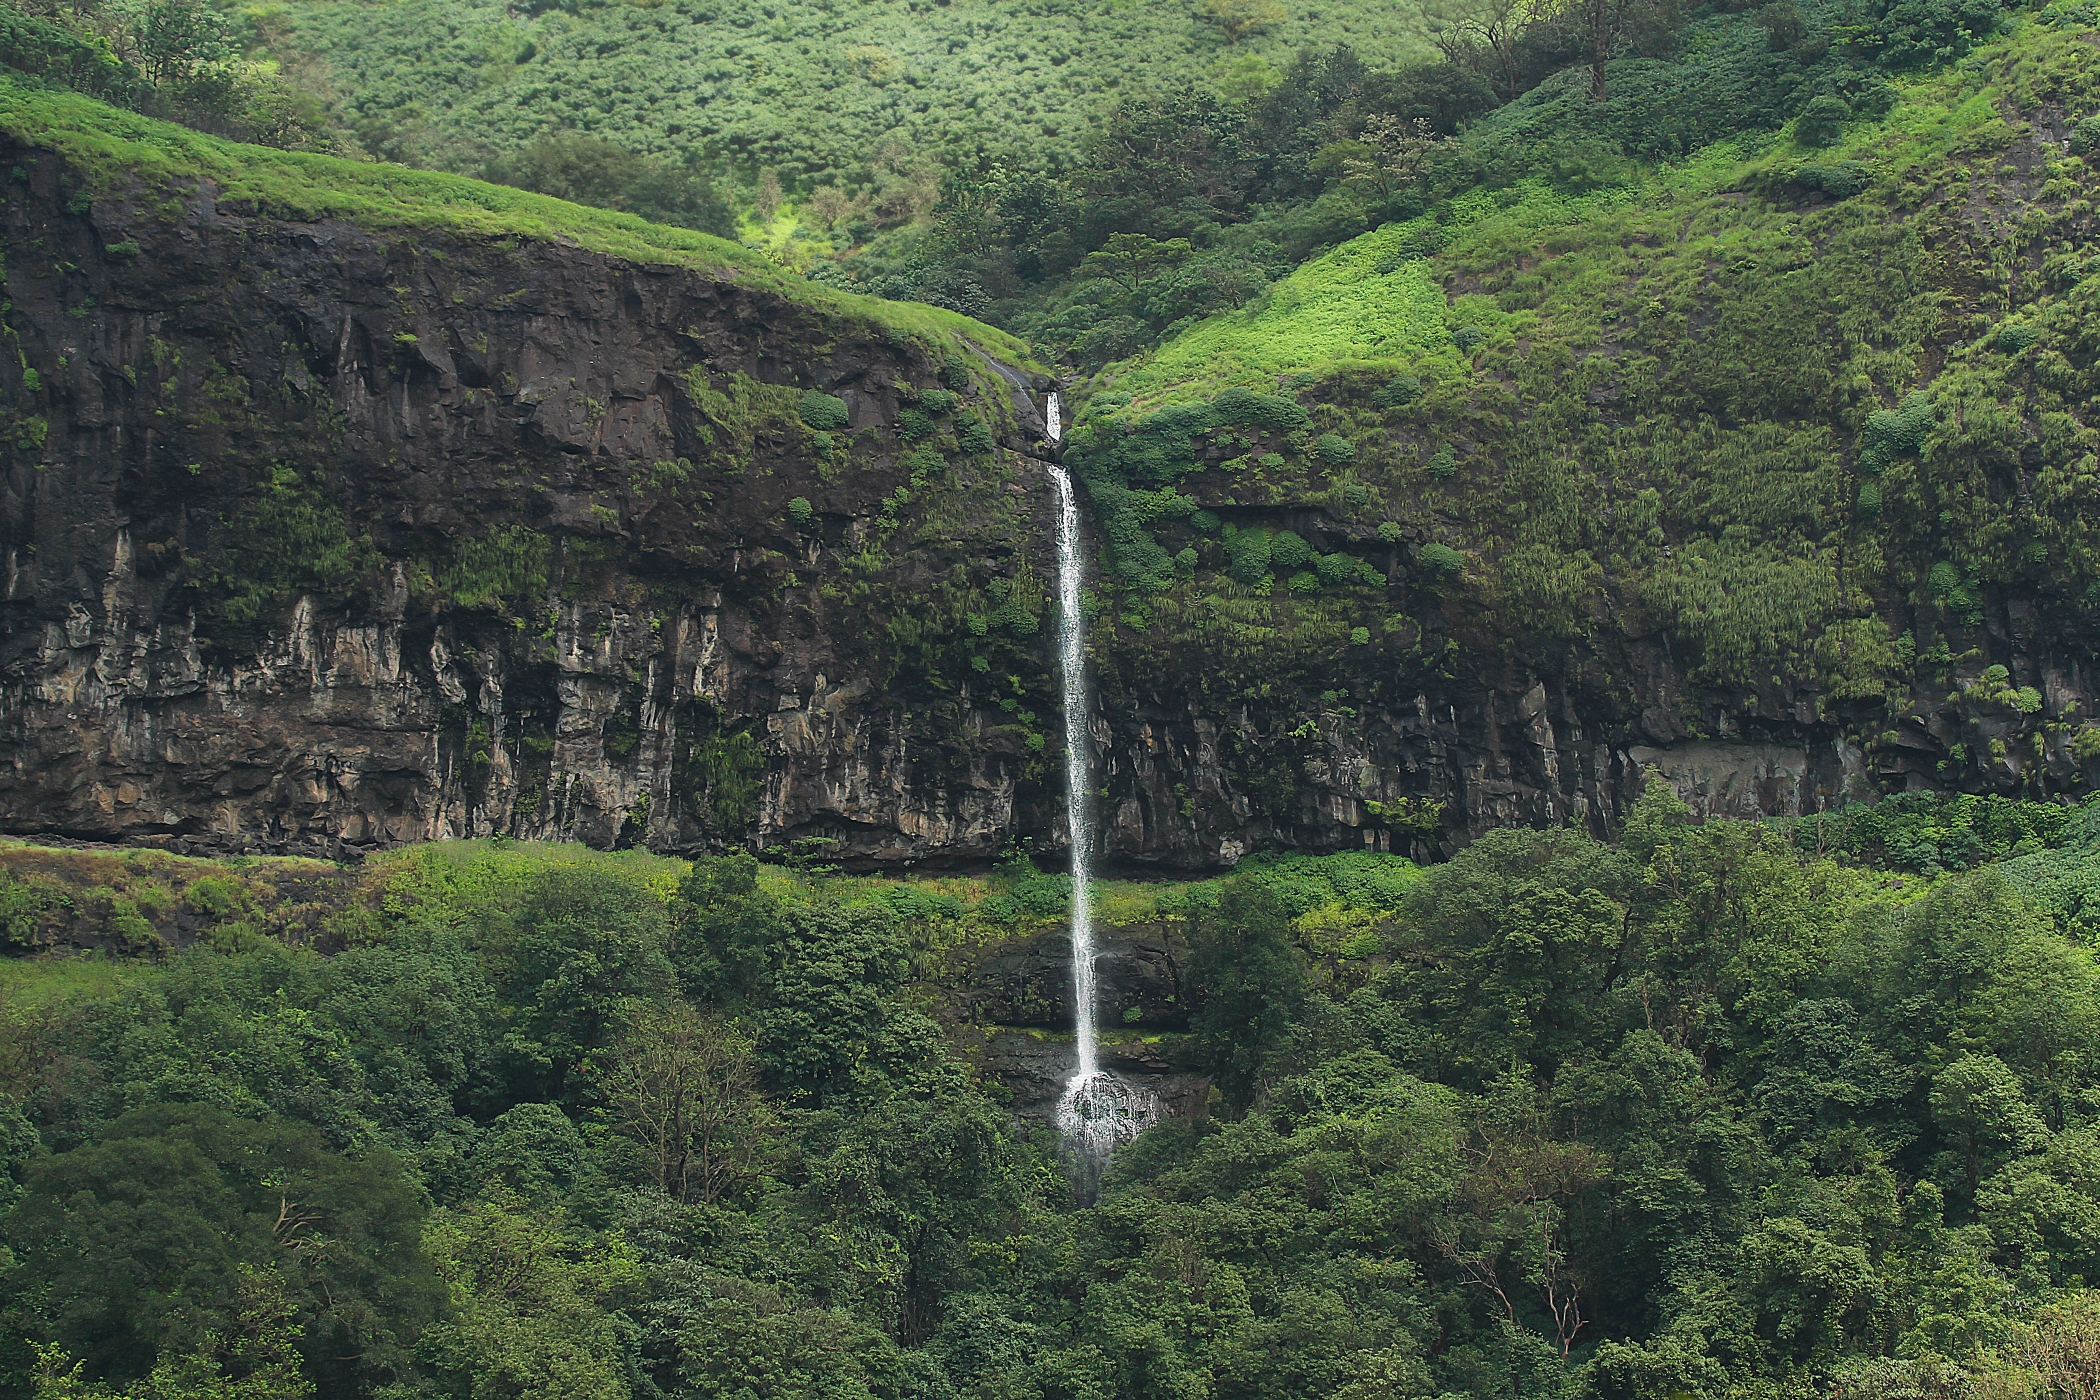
[(1099, 1110)]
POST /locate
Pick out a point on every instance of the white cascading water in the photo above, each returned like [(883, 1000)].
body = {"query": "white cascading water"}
[(1098, 1110)]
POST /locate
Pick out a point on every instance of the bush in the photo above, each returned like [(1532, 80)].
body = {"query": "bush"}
[(1444, 463), (823, 412), (590, 170), (800, 511), (2085, 137), (2017, 339), (1892, 433), (1289, 551), (974, 437), (1398, 392), (1840, 179), (1441, 559), (1822, 120), (1334, 568), (1869, 500), (1334, 450), (1247, 556), (1902, 34)]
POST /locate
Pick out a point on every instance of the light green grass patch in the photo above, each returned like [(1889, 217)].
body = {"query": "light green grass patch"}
[(1336, 307), (27, 984), (1340, 311)]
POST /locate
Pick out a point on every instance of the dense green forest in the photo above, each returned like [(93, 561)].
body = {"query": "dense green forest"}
[(1750, 1109), (1773, 326)]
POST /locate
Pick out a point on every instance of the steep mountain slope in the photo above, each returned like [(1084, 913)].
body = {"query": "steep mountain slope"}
[(348, 503), (1775, 469)]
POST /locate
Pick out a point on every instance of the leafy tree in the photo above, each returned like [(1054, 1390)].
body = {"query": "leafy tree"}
[(1249, 985), (829, 1015), (682, 1084), (583, 942), (528, 1294), (591, 170), (162, 1241), (729, 932)]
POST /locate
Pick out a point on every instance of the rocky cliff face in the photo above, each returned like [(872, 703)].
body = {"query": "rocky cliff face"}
[(317, 538)]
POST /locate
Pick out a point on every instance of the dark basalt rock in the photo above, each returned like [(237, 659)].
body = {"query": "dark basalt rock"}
[(429, 388)]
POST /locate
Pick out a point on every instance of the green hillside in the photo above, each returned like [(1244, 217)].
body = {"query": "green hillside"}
[(810, 90), (1765, 398)]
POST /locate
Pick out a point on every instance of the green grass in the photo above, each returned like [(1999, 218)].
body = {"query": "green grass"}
[(29, 984), (113, 148), (1336, 307), (1340, 311)]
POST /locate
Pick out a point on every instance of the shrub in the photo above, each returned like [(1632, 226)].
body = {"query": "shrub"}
[(937, 401), (1359, 636), (1840, 179), (1280, 414), (1466, 337), (2085, 137), (1892, 433), (1204, 520), (1335, 450), (1398, 392), (824, 412), (2017, 339), (507, 566), (1304, 581), (800, 510), (914, 424), (1334, 568), (1441, 559), (1289, 551), (1444, 463), (1390, 531), (1822, 120), (1869, 500), (1247, 556), (974, 437)]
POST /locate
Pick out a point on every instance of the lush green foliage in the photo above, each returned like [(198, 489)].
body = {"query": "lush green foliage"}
[(804, 90), (1709, 1109)]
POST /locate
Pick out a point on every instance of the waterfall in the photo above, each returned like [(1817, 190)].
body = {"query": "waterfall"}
[(1053, 421), (1098, 1110)]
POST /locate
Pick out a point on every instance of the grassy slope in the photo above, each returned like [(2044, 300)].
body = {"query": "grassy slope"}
[(112, 146), (807, 87)]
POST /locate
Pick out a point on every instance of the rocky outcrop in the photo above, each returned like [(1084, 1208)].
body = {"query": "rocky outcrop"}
[(318, 537), (1018, 996)]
